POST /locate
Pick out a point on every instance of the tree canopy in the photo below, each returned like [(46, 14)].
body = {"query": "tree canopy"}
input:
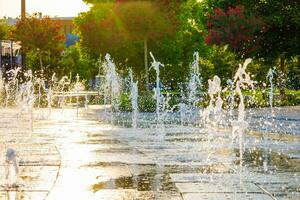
[(234, 28), (121, 28), (5, 30), (42, 38)]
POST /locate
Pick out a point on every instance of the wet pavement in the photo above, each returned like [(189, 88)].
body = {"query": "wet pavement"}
[(70, 157)]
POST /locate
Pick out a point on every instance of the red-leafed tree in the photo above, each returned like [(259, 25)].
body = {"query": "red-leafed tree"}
[(40, 35), (235, 28)]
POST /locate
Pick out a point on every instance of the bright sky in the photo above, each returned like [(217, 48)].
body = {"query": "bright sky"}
[(60, 8)]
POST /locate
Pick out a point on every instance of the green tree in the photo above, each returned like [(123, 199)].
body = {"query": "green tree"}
[(76, 60), (5, 30), (143, 21), (42, 38), (124, 29)]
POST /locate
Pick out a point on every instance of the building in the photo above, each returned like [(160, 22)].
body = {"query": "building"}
[(67, 24), (10, 56)]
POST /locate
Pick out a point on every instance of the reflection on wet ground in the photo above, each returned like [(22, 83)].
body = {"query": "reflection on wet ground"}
[(81, 158)]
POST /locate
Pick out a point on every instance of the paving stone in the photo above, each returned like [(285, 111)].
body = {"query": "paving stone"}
[(216, 186), (93, 153), (287, 195), (33, 178), (106, 194), (23, 195), (225, 196), (132, 194)]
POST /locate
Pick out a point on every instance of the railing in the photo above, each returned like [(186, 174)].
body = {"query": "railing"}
[(76, 94)]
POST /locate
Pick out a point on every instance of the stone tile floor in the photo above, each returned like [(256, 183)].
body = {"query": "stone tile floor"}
[(83, 158)]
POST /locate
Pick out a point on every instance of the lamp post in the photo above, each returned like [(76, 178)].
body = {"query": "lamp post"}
[(23, 9), (23, 15)]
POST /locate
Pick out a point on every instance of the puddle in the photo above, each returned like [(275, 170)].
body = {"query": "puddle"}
[(142, 182), (100, 141), (277, 161), (199, 139)]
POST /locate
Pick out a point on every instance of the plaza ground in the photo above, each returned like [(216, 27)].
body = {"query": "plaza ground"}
[(85, 157)]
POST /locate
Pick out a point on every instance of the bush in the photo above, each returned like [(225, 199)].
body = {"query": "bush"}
[(125, 103), (147, 102)]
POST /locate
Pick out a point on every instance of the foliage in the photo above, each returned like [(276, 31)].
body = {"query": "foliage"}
[(279, 40), (39, 33), (234, 28), (142, 19), (120, 29), (41, 36), (146, 102), (5, 30), (125, 102), (221, 61), (293, 73), (281, 24), (76, 60)]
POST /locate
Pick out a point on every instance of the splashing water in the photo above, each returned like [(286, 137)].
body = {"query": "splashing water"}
[(194, 82), (1, 83), (50, 92), (231, 96), (183, 109), (211, 115), (270, 77), (134, 100), (214, 88), (41, 85), (242, 81), (11, 168), (62, 83), (25, 97), (112, 82), (157, 94), (266, 153)]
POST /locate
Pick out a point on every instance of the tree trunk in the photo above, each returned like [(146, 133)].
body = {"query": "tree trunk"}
[(282, 78), (146, 64)]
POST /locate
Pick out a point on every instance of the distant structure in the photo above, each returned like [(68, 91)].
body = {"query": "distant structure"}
[(10, 55), (67, 24)]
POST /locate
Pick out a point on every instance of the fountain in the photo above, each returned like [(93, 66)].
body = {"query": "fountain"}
[(63, 81), (242, 80), (214, 88), (11, 168), (134, 100), (7, 95), (112, 83), (266, 152), (183, 109), (212, 114), (1, 83), (231, 97), (194, 83), (157, 94), (50, 93), (11, 86), (77, 88), (183, 154), (41, 85), (270, 77)]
